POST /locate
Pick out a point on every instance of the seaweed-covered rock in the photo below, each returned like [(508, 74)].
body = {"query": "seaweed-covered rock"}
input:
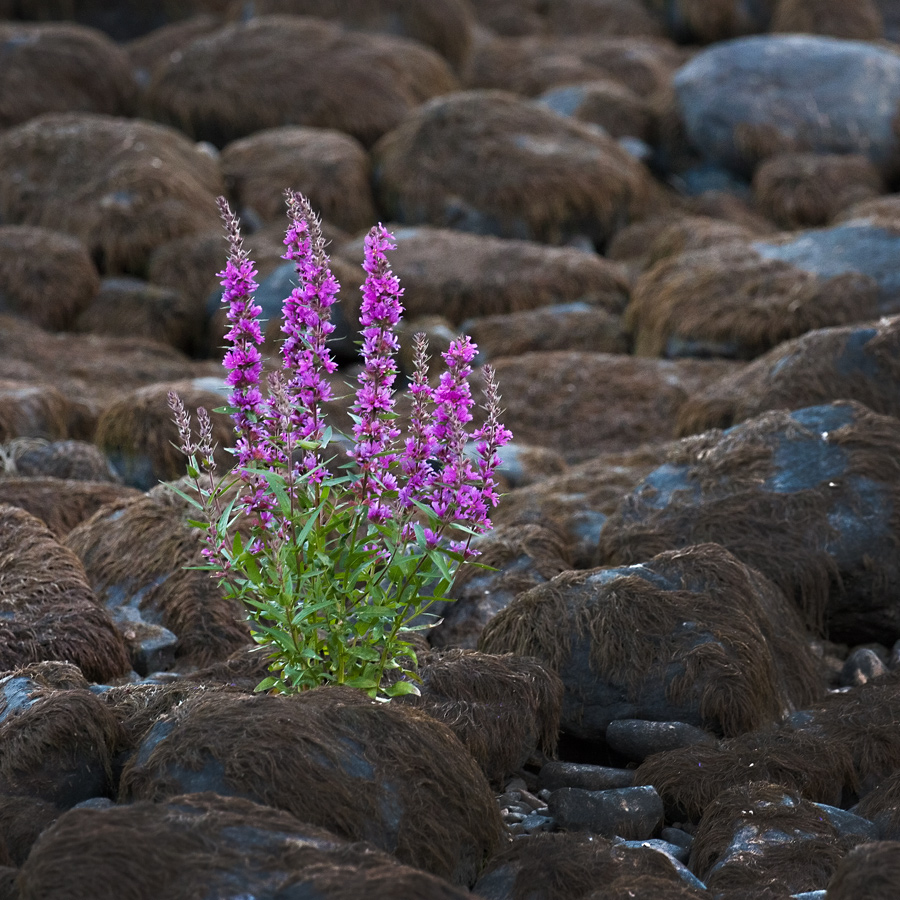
[(461, 276), (750, 98), (489, 162), (504, 709), (132, 307), (585, 404), (805, 190), (444, 25), (738, 300), (709, 21), (138, 556), (853, 362), (692, 636), (206, 845), (869, 870), (138, 434), (329, 168), (860, 21), (46, 276), (335, 759), (294, 70), (757, 835), (121, 186), (49, 610), (61, 67), (58, 739), (806, 497)]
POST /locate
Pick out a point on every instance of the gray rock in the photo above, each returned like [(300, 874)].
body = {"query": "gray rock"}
[(636, 739), (745, 99), (856, 246), (849, 824), (634, 813), (558, 774), (862, 665)]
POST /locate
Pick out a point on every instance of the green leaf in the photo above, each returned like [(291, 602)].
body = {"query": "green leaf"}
[(401, 689), (276, 483)]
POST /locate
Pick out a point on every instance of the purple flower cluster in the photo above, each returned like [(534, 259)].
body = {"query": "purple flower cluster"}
[(433, 466), (374, 431)]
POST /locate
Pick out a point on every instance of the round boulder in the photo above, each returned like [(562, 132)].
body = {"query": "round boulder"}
[(122, 186), (806, 497), (335, 759), (491, 163), (692, 636), (294, 70), (748, 99)]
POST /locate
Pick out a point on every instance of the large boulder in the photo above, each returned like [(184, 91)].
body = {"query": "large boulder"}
[(335, 759), (807, 497), (855, 362), (460, 276), (444, 25), (120, 185), (750, 98), (49, 610), (294, 70), (738, 299), (329, 168), (690, 636), (199, 845), (491, 163), (61, 68)]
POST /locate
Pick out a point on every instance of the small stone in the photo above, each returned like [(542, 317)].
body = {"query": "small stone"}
[(555, 775), (516, 828), (510, 816), (678, 837), (516, 784), (636, 739), (633, 813), (862, 665), (536, 823), (528, 798)]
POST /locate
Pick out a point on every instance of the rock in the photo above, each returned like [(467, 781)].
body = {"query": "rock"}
[(817, 483), (862, 665), (806, 190), (466, 277), (633, 813), (335, 759), (713, 21), (636, 739), (138, 184), (197, 844), (660, 640), (850, 825), (488, 162), (329, 168), (851, 362), (557, 774), (759, 835), (857, 247), (618, 110), (870, 870), (747, 99), (69, 460), (286, 70), (518, 558), (48, 277), (142, 559), (61, 67)]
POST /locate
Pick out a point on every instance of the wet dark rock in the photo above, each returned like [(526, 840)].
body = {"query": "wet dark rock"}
[(632, 813), (637, 739), (557, 774)]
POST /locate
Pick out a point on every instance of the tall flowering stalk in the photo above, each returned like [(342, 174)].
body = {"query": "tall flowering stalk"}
[(336, 567)]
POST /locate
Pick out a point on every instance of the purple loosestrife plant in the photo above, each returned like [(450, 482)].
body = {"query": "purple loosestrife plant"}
[(334, 568)]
